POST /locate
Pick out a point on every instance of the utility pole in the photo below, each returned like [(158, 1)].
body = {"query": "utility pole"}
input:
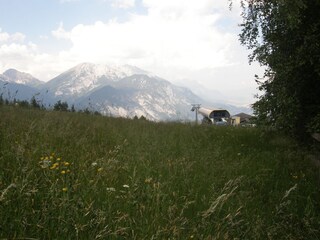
[(195, 107)]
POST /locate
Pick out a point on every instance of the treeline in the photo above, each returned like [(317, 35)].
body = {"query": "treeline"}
[(62, 106)]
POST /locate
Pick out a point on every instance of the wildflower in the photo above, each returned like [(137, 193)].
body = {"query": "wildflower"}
[(94, 164), (148, 180), (63, 172), (54, 166), (66, 163), (125, 186), (99, 169), (58, 159), (239, 154), (111, 189), (65, 189), (45, 163), (51, 157), (68, 171)]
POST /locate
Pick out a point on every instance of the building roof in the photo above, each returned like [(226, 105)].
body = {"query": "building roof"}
[(243, 115)]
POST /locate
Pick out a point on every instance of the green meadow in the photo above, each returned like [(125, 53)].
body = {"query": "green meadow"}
[(70, 175)]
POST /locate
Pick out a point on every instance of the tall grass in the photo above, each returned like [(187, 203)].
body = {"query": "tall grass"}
[(75, 176)]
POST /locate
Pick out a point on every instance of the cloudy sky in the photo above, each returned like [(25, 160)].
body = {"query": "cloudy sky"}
[(192, 43)]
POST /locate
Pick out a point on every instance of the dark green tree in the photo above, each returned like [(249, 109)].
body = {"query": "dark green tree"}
[(284, 36), (34, 103), (61, 106), (24, 103), (73, 108), (142, 118)]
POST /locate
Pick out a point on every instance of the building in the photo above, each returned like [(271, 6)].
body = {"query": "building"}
[(241, 119)]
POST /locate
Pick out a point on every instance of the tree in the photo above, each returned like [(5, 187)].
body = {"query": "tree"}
[(60, 106), (284, 37), (73, 108), (34, 103)]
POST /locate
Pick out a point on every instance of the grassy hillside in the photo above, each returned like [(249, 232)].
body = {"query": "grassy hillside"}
[(76, 176)]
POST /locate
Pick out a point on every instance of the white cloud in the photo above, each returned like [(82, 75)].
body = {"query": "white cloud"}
[(27, 58), (179, 7), (122, 3), (175, 34), (60, 33), (16, 37), (4, 37)]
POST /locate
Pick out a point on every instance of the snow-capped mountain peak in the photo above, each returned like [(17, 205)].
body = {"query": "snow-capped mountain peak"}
[(85, 77), (111, 71), (15, 76)]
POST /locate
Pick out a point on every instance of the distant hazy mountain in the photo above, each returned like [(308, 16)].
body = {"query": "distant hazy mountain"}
[(140, 94), (125, 91), (11, 91), (3, 78), (23, 86), (14, 76)]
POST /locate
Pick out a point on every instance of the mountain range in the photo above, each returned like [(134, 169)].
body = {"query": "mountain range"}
[(115, 90)]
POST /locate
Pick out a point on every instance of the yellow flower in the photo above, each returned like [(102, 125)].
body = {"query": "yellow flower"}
[(99, 169), (65, 189), (63, 172), (54, 166), (66, 163), (68, 171), (58, 159)]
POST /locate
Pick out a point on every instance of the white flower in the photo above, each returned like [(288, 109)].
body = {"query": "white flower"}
[(111, 189), (45, 163), (125, 186), (94, 164)]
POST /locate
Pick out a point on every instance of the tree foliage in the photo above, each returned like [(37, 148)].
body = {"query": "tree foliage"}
[(34, 102), (284, 36), (61, 106)]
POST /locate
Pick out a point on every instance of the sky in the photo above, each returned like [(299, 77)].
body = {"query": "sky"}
[(191, 43)]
